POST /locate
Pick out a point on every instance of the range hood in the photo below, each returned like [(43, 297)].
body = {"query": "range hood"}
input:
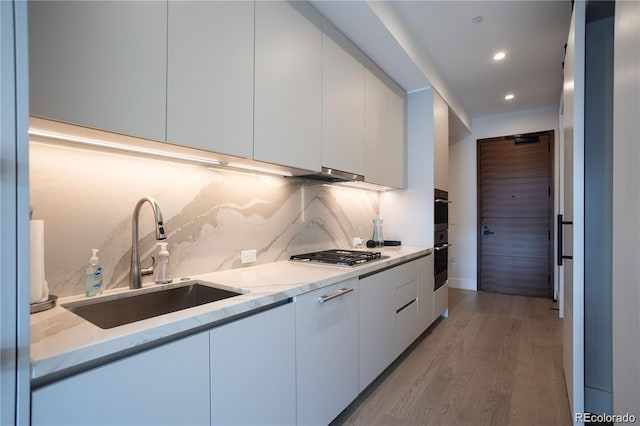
[(329, 175)]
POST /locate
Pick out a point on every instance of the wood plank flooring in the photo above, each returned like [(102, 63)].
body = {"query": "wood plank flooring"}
[(497, 360)]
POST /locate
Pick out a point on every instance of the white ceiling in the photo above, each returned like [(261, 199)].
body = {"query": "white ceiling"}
[(531, 33), (442, 48)]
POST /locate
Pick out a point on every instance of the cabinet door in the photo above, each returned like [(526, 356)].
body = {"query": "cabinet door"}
[(385, 133), (327, 352), (167, 385), (440, 142), (100, 64), (342, 102), (425, 292), (253, 370), (210, 76), (377, 332), (288, 79)]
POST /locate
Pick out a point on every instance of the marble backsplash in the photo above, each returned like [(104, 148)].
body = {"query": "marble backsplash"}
[(86, 199)]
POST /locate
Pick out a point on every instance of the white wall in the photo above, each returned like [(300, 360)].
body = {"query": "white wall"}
[(408, 214), (463, 184)]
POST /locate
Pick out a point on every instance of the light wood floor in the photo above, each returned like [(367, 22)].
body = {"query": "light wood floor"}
[(497, 360)]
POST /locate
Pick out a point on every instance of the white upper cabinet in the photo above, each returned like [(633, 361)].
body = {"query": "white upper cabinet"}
[(440, 143), (288, 84), (342, 102), (210, 76), (266, 80), (100, 64), (385, 130)]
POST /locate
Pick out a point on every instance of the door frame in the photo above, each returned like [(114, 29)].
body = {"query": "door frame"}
[(14, 215), (573, 268), (551, 212)]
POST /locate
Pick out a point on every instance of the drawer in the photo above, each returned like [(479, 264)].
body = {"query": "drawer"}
[(405, 273), (406, 327), (406, 294)]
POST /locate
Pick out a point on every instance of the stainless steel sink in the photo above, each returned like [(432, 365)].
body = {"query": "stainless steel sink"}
[(112, 312)]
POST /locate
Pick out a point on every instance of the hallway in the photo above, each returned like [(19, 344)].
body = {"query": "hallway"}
[(497, 360)]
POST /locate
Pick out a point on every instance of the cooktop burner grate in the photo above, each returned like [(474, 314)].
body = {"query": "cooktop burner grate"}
[(339, 257)]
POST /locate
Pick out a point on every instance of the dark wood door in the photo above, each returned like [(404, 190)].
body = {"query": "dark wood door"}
[(515, 214)]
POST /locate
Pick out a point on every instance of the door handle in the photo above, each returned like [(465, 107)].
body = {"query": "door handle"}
[(338, 293), (487, 231), (560, 224)]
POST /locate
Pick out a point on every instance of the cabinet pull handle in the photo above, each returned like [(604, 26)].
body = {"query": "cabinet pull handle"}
[(338, 293)]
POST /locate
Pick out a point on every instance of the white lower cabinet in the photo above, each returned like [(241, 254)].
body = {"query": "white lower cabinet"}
[(326, 351), (377, 323), (298, 363), (160, 386), (385, 328), (252, 369), (441, 302), (425, 293)]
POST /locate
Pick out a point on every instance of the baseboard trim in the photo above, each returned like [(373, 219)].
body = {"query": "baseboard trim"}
[(463, 283)]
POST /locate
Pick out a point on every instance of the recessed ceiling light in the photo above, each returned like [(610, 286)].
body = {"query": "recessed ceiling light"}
[(509, 96), (477, 19), (499, 56)]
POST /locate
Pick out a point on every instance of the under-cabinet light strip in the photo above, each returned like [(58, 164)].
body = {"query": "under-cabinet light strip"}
[(120, 147), (258, 169), (360, 185), (149, 151)]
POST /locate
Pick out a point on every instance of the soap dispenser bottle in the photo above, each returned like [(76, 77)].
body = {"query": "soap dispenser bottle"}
[(93, 284), (162, 272)]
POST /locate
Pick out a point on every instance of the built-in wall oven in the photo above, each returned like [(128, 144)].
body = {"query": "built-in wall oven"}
[(441, 210), (440, 238)]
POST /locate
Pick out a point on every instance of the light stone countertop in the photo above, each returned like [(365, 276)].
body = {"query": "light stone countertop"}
[(62, 342)]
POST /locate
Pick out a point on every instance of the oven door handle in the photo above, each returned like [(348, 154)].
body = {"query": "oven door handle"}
[(442, 201), (442, 247)]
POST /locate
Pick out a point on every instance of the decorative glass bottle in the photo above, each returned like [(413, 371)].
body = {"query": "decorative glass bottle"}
[(377, 233)]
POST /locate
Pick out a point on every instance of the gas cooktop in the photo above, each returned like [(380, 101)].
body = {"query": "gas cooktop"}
[(336, 257)]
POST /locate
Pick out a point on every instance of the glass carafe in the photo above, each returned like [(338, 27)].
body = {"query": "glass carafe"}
[(377, 233)]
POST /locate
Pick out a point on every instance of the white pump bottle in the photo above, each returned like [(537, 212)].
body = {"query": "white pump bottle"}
[(162, 273)]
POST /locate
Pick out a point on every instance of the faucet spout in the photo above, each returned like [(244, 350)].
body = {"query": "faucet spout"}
[(135, 273)]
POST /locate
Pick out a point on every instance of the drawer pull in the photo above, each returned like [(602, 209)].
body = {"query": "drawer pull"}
[(338, 293), (405, 306)]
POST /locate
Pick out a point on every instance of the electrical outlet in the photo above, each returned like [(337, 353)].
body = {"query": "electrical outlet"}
[(248, 256), (452, 261)]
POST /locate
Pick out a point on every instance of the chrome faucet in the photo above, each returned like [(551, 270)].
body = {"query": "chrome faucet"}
[(135, 273)]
